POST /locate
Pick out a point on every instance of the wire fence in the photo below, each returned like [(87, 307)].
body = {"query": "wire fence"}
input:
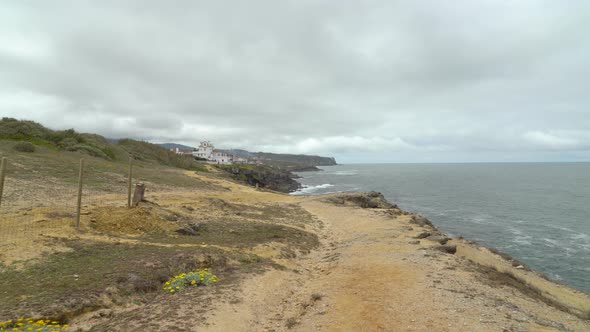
[(33, 204)]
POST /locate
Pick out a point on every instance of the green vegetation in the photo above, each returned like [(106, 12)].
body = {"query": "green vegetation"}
[(64, 285), (29, 324), (68, 140), (57, 155), (24, 147), (145, 151), (295, 160), (30, 133), (199, 277), (109, 175)]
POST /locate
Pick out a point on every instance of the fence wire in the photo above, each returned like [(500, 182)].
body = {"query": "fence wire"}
[(37, 206)]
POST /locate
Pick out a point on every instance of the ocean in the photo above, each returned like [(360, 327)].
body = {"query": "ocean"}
[(539, 213)]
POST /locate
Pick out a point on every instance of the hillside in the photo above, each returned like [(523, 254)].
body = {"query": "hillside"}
[(175, 145), (305, 160), (291, 162), (90, 144)]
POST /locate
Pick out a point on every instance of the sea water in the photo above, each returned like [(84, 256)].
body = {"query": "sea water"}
[(537, 212)]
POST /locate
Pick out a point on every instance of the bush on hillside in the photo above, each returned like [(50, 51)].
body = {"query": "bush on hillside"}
[(24, 147), (90, 150), (69, 140)]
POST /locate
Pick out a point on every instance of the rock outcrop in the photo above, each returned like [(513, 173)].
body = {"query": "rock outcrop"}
[(264, 177), (369, 200)]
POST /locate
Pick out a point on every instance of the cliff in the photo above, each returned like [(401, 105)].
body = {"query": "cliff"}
[(263, 176)]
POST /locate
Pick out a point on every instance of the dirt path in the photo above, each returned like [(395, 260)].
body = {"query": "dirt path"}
[(368, 277)]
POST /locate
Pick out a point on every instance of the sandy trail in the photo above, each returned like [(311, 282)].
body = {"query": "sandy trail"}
[(370, 278), (364, 285)]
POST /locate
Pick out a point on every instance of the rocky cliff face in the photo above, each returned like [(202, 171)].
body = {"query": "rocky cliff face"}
[(263, 176)]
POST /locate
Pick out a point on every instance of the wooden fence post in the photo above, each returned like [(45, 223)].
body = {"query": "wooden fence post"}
[(2, 174), (129, 182), (80, 178), (138, 195)]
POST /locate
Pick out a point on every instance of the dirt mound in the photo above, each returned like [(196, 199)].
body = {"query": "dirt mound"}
[(139, 220)]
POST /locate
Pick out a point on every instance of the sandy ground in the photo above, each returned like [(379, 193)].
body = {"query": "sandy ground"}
[(367, 277), (369, 274)]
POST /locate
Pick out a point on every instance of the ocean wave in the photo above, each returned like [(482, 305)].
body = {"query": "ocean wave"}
[(524, 240), (352, 172), (552, 242), (311, 189)]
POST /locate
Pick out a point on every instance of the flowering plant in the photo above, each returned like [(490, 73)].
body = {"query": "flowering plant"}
[(29, 324), (193, 278)]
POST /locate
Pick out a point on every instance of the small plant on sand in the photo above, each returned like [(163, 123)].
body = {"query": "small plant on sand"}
[(291, 322), (29, 324), (193, 278)]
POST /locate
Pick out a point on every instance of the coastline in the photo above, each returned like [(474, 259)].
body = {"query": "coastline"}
[(500, 207), (537, 284), (505, 277), (358, 263), (376, 270)]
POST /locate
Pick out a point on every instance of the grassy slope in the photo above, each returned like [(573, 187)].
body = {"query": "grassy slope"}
[(57, 155), (103, 174), (105, 267), (90, 145)]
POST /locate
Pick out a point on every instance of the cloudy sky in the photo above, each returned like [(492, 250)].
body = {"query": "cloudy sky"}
[(364, 81)]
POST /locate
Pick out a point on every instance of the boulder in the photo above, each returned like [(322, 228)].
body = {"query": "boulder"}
[(422, 235), (420, 220), (446, 248), (442, 239), (414, 242)]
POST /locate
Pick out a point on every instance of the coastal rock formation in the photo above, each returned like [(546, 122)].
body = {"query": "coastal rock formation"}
[(264, 177), (420, 220), (422, 235), (442, 239), (369, 200), (446, 248)]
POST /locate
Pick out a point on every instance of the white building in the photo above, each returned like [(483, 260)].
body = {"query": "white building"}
[(207, 151), (204, 151)]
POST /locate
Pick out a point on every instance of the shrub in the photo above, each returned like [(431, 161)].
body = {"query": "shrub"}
[(193, 278), (24, 147), (28, 324), (95, 152)]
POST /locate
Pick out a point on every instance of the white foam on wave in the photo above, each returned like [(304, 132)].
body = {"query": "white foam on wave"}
[(552, 242), (580, 236), (520, 238), (351, 172), (311, 189)]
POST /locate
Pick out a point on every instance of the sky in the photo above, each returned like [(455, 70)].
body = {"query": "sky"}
[(363, 81)]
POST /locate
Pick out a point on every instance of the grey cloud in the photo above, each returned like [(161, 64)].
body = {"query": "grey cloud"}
[(418, 79)]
